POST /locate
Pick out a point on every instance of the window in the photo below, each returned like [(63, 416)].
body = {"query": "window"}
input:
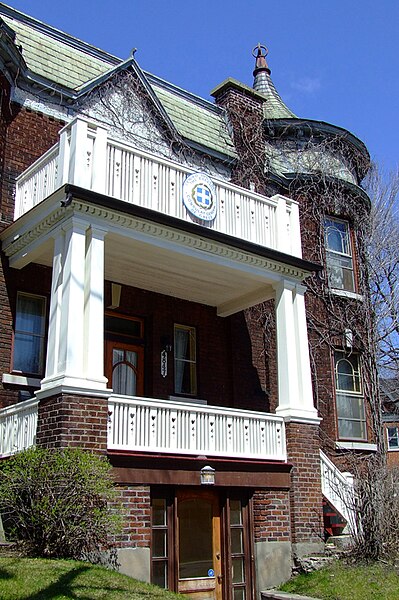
[(393, 438), (349, 397), (185, 360), (29, 334), (339, 255), (159, 542)]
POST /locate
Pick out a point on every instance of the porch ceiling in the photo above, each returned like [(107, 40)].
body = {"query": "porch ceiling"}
[(172, 273)]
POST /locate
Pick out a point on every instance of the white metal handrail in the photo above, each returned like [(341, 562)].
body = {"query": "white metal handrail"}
[(18, 425), (338, 489), (151, 425)]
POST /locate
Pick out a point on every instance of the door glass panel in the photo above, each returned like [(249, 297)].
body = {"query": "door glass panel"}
[(238, 570), (235, 512), (158, 511), (124, 380), (195, 538), (159, 543), (117, 356), (131, 357), (159, 573), (236, 541), (239, 594)]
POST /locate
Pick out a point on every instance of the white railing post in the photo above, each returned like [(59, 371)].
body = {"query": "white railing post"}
[(64, 156), (99, 162), (80, 155)]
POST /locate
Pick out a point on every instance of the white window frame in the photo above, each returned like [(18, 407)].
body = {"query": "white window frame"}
[(349, 394), (181, 362), (391, 436), (339, 260), (40, 337)]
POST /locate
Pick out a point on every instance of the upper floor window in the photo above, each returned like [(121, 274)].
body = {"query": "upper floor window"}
[(349, 397), (29, 334), (393, 438), (339, 254), (185, 360)]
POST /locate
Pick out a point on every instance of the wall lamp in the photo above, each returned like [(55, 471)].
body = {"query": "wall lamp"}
[(207, 476)]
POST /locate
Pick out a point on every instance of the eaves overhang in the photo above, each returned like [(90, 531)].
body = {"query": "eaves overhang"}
[(354, 190), (215, 236), (310, 127)]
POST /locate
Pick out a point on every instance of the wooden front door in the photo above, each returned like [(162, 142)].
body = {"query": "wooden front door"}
[(124, 367), (199, 552)]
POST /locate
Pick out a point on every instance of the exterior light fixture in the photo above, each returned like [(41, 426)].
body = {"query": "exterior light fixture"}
[(207, 476)]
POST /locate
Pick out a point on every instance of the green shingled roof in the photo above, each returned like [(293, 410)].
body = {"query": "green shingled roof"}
[(198, 123), (59, 62), (70, 63)]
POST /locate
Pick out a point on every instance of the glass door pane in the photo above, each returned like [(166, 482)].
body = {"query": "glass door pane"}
[(195, 538)]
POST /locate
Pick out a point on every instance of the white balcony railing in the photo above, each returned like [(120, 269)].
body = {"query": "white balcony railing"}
[(87, 157), (148, 425), (337, 487), (18, 424)]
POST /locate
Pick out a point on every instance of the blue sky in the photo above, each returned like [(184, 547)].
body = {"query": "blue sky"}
[(333, 60)]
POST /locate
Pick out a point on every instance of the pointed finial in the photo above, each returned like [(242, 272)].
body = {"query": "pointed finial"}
[(260, 52)]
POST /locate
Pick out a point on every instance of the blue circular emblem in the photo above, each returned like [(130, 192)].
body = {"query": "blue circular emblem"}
[(199, 196), (211, 573)]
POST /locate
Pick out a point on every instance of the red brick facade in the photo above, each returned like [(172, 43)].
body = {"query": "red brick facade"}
[(136, 517), (305, 498), (73, 421), (271, 516)]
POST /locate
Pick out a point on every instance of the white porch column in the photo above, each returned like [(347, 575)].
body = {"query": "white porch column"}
[(93, 343), (55, 306), (294, 381), (75, 338)]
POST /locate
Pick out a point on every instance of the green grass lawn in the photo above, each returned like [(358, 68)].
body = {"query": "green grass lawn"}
[(39, 579), (342, 581)]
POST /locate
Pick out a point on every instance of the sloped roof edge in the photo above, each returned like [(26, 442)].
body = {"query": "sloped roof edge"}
[(59, 35)]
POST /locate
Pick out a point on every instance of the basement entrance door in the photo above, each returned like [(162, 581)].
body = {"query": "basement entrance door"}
[(199, 569)]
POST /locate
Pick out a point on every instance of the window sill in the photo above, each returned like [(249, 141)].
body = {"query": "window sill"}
[(356, 446), (188, 399), (21, 380), (393, 449), (346, 294)]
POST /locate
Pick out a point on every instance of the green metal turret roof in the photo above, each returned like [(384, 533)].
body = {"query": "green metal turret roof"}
[(274, 107)]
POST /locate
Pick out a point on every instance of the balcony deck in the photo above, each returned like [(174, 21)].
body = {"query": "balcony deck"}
[(87, 157), (139, 424)]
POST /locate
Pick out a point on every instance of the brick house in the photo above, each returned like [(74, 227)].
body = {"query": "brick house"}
[(182, 291)]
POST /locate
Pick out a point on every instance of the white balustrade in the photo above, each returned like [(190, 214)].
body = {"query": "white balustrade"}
[(87, 157), (150, 425), (18, 424), (37, 182), (337, 487)]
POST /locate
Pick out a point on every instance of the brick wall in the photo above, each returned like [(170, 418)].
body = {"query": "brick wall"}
[(271, 510), (305, 496), (136, 517), (24, 136), (73, 421)]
